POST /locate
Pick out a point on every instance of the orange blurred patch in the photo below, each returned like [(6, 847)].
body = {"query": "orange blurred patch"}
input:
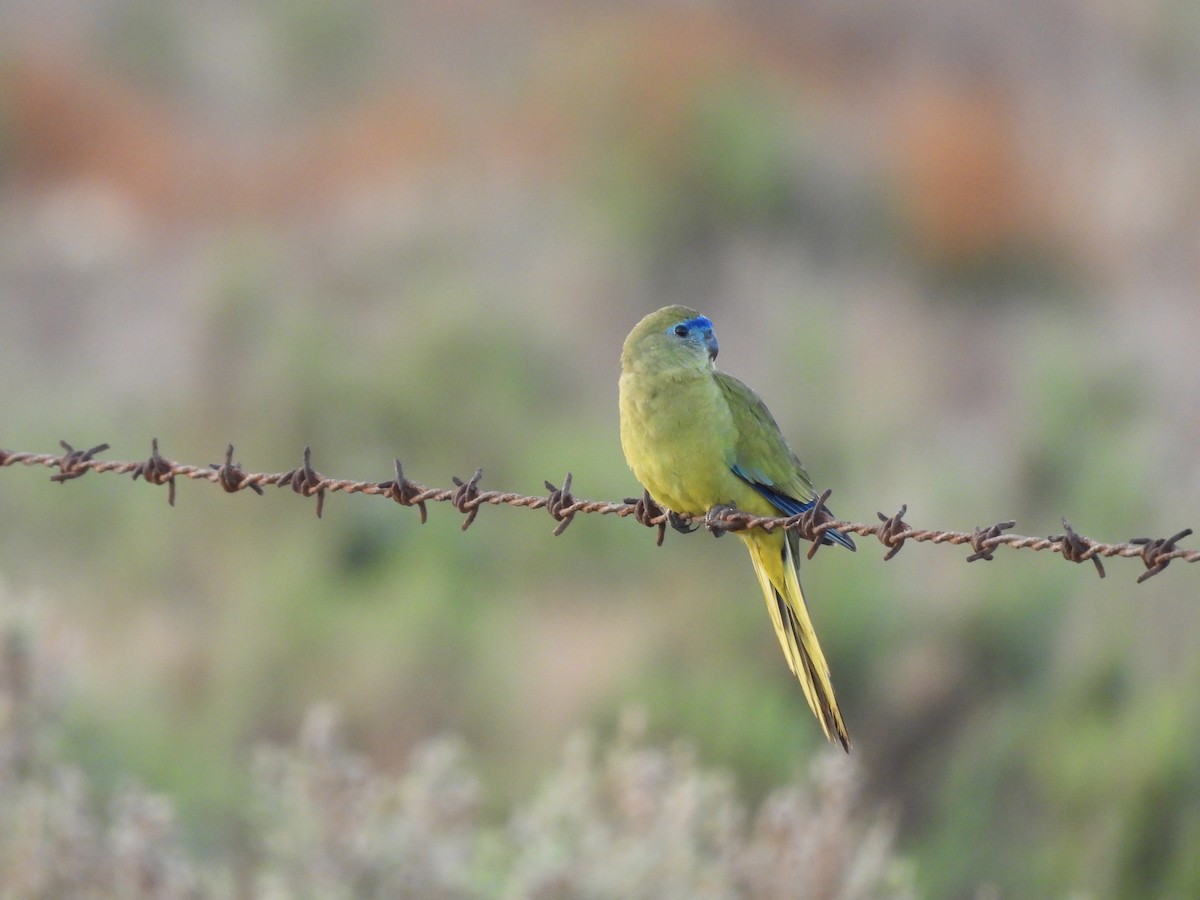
[(958, 169)]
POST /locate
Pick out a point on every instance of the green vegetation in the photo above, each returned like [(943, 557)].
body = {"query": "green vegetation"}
[(437, 261), (631, 820)]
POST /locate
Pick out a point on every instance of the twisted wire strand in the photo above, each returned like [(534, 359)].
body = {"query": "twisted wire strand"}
[(467, 497)]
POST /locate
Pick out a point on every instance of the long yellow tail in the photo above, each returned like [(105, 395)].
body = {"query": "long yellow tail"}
[(775, 565)]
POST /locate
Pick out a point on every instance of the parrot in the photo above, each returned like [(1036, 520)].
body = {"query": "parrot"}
[(698, 440)]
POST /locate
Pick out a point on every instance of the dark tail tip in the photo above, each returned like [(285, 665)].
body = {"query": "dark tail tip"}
[(833, 536)]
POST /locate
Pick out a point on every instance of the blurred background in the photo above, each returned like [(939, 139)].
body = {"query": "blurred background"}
[(953, 246)]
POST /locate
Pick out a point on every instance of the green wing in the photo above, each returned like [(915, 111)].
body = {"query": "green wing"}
[(762, 456), (764, 460)]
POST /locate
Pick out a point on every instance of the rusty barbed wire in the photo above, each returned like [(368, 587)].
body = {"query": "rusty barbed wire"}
[(467, 497)]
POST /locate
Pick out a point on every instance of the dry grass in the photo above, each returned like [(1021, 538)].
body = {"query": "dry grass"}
[(622, 819)]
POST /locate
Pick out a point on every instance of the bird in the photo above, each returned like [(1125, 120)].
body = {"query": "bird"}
[(700, 441)]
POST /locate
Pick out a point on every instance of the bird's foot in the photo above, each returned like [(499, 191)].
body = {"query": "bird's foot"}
[(682, 524), (722, 518)]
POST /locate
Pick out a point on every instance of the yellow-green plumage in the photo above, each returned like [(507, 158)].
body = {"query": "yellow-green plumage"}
[(697, 438)]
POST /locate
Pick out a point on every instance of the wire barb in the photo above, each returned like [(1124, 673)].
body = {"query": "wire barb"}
[(466, 497), (814, 522), (72, 464), (306, 481), (157, 470), (405, 492), (232, 477), (1157, 552), (892, 531), (561, 505), (1076, 549), (650, 514), (984, 540)]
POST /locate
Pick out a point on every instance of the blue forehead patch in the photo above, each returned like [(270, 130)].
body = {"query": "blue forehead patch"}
[(700, 323)]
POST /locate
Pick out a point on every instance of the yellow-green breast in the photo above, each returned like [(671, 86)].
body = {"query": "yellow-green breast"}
[(679, 439)]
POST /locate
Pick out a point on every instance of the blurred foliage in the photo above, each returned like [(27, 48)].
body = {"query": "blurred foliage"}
[(630, 821), (950, 248)]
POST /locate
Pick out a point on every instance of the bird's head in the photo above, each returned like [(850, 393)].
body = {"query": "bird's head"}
[(671, 337)]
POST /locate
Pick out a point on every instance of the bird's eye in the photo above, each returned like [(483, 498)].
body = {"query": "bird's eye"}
[(681, 330)]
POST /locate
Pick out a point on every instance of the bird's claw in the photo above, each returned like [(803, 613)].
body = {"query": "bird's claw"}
[(718, 519), (682, 524)]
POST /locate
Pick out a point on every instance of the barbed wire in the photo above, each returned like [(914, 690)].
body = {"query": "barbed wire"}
[(467, 497)]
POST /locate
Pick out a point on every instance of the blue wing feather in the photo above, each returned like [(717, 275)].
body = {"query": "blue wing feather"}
[(789, 506)]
